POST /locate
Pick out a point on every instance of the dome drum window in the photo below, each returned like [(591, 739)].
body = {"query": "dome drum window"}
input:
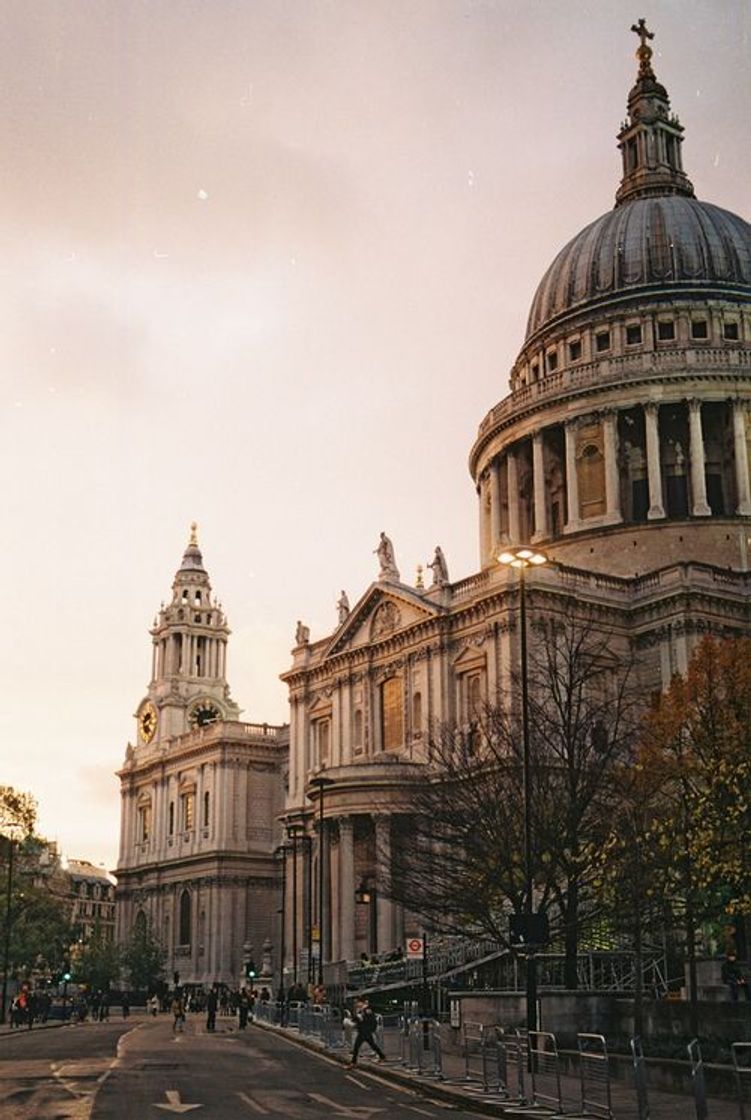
[(551, 361), (602, 341), (699, 329), (575, 350), (731, 332), (665, 330), (633, 334)]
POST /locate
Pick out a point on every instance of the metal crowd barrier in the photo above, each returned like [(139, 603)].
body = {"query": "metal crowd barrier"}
[(293, 1013), (741, 1052), (424, 1049), (594, 1073), (515, 1045), (472, 1047), (494, 1073), (640, 1079), (697, 1079), (544, 1070)]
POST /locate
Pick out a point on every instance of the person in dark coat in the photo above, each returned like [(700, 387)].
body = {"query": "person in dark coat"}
[(735, 978), (365, 1025), (212, 1002), (243, 1009)]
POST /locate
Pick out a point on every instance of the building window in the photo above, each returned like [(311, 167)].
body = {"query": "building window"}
[(144, 822), (602, 341), (321, 740), (206, 809), (699, 328), (472, 696), (171, 819), (575, 350), (417, 714), (535, 371), (730, 332), (633, 334), (188, 808), (392, 716), (666, 330), (185, 918), (357, 732), (552, 360)]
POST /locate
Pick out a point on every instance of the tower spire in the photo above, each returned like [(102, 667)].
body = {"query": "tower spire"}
[(650, 139)]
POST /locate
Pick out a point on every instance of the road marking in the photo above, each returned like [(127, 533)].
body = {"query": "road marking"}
[(253, 1104), (359, 1084), (414, 1108), (174, 1104), (356, 1112)]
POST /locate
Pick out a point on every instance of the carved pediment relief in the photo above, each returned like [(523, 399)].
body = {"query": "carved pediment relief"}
[(380, 614)]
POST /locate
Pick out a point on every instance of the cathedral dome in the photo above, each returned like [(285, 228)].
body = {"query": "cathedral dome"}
[(650, 243)]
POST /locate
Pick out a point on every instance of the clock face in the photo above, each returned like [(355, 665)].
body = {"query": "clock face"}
[(203, 713), (147, 722)]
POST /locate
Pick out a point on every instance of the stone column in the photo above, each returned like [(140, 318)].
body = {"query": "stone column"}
[(741, 459), (385, 916), (512, 487), (538, 477), (572, 482), (612, 483), (699, 504), (495, 506), (346, 888), (654, 470)]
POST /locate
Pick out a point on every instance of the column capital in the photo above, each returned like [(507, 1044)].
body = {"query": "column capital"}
[(651, 408), (694, 403), (346, 824)]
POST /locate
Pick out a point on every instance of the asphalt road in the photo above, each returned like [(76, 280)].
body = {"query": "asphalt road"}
[(136, 1070)]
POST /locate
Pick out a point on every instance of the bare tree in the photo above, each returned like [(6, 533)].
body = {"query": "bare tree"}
[(460, 864)]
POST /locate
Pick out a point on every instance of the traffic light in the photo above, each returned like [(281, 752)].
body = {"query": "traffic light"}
[(250, 969)]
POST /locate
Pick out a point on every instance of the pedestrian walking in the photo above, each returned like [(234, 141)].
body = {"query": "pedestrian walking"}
[(178, 1013), (125, 1005), (366, 1025), (243, 1009), (212, 1003)]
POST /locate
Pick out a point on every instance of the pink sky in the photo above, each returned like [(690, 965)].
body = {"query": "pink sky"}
[(266, 266)]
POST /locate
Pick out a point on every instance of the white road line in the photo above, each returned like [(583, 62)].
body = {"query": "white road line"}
[(414, 1108), (359, 1084), (253, 1104)]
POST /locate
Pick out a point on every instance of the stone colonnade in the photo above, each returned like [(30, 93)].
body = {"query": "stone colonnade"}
[(526, 511), (357, 852)]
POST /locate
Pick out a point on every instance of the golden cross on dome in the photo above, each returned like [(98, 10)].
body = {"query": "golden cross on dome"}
[(642, 31), (194, 533)]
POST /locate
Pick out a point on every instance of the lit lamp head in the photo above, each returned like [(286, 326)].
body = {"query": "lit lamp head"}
[(522, 558), (363, 894)]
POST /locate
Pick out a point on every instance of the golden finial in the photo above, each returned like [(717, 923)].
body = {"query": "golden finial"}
[(194, 534), (644, 51), (419, 582)]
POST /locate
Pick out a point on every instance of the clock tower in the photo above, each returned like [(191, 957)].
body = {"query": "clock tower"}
[(188, 687)]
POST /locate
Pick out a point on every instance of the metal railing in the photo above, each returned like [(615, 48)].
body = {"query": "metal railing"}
[(594, 1075), (640, 1079), (545, 1070), (741, 1052)]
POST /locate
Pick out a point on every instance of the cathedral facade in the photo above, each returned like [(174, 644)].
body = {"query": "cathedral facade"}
[(621, 452), (201, 794)]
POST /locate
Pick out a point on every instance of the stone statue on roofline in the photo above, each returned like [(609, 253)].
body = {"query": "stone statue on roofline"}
[(342, 607), (439, 568), (386, 558), (302, 634)]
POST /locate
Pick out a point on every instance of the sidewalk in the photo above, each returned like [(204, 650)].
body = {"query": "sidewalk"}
[(455, 1089)]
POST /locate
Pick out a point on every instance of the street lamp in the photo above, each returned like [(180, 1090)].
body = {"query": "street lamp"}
[(320, 783), (292, 831), (368, 896), (281, 855), (528, 931)]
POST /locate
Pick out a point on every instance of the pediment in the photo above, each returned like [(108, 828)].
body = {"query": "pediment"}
[(385, 609)]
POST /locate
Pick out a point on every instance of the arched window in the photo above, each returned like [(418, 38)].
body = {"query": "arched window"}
[(139, 926), (185, 918), (417, 714), (392, 724)]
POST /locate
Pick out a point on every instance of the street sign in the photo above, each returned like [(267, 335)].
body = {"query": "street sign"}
[(415, 947)]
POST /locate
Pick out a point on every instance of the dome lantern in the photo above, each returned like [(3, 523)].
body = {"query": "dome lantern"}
[(650, 140)]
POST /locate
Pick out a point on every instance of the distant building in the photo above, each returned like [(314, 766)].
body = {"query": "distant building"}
[(622, 451), (201, 795), (92, 899)]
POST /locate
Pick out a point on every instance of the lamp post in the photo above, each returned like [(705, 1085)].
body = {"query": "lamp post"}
[(521, 559), (368, 896), (320, 783), (292, 831), (281, 854), (13, 832)]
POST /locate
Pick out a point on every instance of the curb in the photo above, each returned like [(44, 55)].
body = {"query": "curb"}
[(435, 1089), (7, 1032)]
